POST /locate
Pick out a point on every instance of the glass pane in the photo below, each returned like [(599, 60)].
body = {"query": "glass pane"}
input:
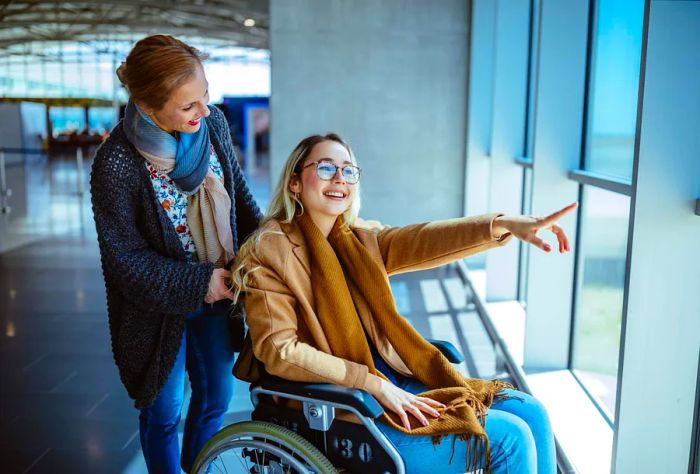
[(102, 119), (603, 252), (613, 92), (67, 119), (86, 69)]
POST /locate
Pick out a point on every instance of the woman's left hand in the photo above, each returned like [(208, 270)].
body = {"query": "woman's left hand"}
[(525, 228)]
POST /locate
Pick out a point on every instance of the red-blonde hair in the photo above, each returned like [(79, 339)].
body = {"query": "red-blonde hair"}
[(156, 66)]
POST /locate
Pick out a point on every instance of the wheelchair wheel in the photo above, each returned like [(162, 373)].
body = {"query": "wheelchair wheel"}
[(259, 447)]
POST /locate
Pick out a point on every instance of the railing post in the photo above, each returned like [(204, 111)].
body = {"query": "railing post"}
[(4, 192), (79, 166)]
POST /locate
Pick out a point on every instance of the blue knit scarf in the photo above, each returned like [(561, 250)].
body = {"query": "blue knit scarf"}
[(190, 151)]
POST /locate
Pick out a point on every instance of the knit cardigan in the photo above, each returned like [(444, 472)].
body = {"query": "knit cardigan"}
[(150, 285)]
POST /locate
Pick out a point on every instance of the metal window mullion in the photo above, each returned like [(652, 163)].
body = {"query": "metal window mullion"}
[(620, 186), (524, 161)]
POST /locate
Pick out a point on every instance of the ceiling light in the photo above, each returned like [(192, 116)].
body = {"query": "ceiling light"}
[(249, 22)]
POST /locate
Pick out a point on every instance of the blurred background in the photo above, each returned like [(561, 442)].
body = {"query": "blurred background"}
[(452, 108)]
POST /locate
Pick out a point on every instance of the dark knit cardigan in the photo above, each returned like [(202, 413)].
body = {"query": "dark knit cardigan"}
[(150, 285)]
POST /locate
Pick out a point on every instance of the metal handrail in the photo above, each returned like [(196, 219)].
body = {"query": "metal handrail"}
[(22, 151), (516, 372)]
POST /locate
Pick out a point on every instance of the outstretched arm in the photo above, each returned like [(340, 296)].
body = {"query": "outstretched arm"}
[(421, 246)]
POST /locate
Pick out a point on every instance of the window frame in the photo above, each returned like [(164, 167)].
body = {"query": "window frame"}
[(615, 184), (526, 160)]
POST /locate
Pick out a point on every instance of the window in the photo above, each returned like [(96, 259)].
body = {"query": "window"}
[(101, 118), (614, 86), (67, 119), (600, 290)]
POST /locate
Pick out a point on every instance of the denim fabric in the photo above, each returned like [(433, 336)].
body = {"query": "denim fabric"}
[(207, 356), (519, 432)]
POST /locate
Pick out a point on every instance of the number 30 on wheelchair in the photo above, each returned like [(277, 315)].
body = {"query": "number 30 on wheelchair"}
[(280, 439)]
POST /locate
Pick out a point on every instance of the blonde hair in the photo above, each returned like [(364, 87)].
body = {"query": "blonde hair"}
[(284, 206), (156, 66)]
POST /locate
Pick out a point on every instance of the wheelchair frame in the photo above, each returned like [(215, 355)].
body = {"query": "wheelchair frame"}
[(319, 402)]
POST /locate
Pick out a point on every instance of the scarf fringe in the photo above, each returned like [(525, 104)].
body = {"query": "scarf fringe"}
[(477, 445)]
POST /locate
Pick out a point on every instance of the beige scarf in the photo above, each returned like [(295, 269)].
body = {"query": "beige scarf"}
[(208, 215), (343, 256)]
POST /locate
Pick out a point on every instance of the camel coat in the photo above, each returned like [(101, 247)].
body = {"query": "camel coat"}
[(284, 331)]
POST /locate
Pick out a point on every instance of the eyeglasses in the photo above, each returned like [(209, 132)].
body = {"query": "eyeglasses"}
[(327, 170)]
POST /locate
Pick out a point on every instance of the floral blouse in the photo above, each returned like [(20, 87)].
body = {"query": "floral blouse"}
[(175, 202)]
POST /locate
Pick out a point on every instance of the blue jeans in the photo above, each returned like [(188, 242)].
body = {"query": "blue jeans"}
[(519, 432), (207, 356)]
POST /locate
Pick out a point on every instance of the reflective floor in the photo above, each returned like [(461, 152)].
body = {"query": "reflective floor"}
[(62, 406)]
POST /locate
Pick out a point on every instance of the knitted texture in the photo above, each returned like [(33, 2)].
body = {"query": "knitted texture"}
[(341, 265), (150, 285)]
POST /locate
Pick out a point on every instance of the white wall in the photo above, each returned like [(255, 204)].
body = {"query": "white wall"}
[(388, 76)]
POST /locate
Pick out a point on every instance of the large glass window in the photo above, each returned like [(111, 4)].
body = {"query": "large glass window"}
[(67, 119), (101, 119), (614, 67), (602, 257), (86, 70), (614, 86)]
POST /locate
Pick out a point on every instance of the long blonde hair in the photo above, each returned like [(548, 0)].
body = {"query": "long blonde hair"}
[(284, 206)]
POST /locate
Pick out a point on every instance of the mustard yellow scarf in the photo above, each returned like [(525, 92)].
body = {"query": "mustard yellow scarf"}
[(343, 256)]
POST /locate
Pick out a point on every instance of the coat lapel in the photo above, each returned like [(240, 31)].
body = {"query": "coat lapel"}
[(297, 239), (303, 257)]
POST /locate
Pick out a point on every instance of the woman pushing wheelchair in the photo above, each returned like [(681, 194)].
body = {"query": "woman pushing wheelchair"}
[(320, 309)]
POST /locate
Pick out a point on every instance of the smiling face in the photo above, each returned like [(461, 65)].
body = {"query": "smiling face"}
[(186, 106), (324, 200)]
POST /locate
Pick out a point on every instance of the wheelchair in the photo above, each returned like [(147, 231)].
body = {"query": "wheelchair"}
[(312, 440)]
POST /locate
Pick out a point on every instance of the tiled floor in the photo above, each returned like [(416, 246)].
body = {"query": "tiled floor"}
[(62, 406)]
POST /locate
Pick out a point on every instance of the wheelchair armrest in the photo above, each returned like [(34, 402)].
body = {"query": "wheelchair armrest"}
[(448, 350), (358, 399)]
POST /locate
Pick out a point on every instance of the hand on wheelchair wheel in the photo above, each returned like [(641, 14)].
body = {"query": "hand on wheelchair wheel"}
[(404, 403)]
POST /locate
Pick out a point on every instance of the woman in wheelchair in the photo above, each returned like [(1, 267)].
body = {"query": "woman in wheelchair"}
[(320, 309)]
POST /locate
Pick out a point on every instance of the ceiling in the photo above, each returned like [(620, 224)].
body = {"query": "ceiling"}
[(26, 24)]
